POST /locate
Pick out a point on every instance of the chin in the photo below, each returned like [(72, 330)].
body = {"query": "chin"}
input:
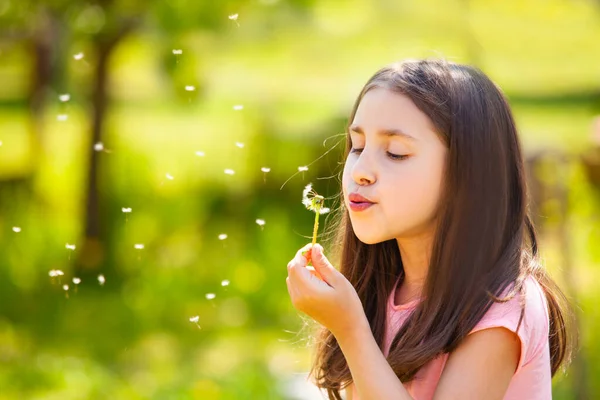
[(369, 238)]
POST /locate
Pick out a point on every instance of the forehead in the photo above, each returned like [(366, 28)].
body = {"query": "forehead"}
[(382, 109)]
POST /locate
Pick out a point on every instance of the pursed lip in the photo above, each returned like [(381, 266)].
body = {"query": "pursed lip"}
[(357, 198)]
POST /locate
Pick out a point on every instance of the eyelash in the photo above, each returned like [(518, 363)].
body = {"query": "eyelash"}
[(396, 157)]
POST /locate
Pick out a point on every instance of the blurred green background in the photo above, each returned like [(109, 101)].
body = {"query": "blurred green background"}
[(166, 95)]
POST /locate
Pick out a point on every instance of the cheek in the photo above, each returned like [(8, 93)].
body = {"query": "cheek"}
[(416, 193), (346, 177)]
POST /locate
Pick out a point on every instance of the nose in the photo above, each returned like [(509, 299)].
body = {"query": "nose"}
[(362, 170)]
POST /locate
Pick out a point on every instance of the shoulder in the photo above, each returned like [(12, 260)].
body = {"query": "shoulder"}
[(495, 350), (533, 330)]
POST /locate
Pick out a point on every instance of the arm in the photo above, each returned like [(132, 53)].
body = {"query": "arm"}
[(481, 367), (373, 377)]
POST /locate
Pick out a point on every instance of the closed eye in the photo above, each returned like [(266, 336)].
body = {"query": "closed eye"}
[(390, 155)]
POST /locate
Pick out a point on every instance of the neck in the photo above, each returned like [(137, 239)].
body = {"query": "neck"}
[(416, 254)]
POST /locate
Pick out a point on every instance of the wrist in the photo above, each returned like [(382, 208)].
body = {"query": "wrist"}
[(357, 332)]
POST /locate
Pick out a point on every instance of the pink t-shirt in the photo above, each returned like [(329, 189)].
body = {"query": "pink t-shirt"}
[(532, 379)]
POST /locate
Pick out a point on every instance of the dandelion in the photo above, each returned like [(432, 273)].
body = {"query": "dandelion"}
[(222, 236), (101, 279), (239, 144), (76, 281), (139, 246), (234, 17), (225, 282), (200, 153), (70, 247), (314, 202), (170, 177), (265, 170), (210, 296), (195, 320), (64, 97), (78, 56), (190, 88), (126, 210), (238, 107), (229, 171), (98, 146), (62, 117), (177, 52), (16, 229)]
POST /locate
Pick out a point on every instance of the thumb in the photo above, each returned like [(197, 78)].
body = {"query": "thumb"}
[(322, 265)]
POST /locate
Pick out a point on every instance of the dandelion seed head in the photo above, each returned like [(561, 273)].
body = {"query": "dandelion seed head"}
[(76, 281), (139, 246), (55, 272), (307, 190), (16, 229), (238, 107), (195, 319), (210, 296), (200, 153), (177, 52), (229, 171), (239, 144), (101, 279), (78, 56), (225, 282), (265, 169), (62, 117), (0, 142), (233, 17), (65, 287), (222, 236), (70, 246), (99, 146), (126, 209), (190, 88), (260, 222), (313, 201), (169, 177), (303, 168), (64, 97)]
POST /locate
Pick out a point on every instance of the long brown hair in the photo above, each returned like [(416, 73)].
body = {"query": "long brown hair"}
[(485, 241)]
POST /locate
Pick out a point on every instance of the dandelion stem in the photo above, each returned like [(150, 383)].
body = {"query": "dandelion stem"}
[(316, 228)]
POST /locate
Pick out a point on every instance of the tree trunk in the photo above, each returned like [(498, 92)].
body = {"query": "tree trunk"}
[(92, 252)]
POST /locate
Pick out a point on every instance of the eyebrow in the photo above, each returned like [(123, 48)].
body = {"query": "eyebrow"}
[(384, 132)]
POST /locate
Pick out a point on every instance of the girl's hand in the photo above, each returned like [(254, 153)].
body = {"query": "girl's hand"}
[(323, 294)]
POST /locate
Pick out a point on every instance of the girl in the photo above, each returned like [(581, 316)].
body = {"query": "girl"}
[(440, 292)]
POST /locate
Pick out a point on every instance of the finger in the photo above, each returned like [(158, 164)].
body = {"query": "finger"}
[(289, 288), (314, 272), (303, 250)]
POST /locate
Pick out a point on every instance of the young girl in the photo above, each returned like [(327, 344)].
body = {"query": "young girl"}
[(440, 292)]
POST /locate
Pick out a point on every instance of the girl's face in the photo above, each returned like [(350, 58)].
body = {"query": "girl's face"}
[(396, 161)]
